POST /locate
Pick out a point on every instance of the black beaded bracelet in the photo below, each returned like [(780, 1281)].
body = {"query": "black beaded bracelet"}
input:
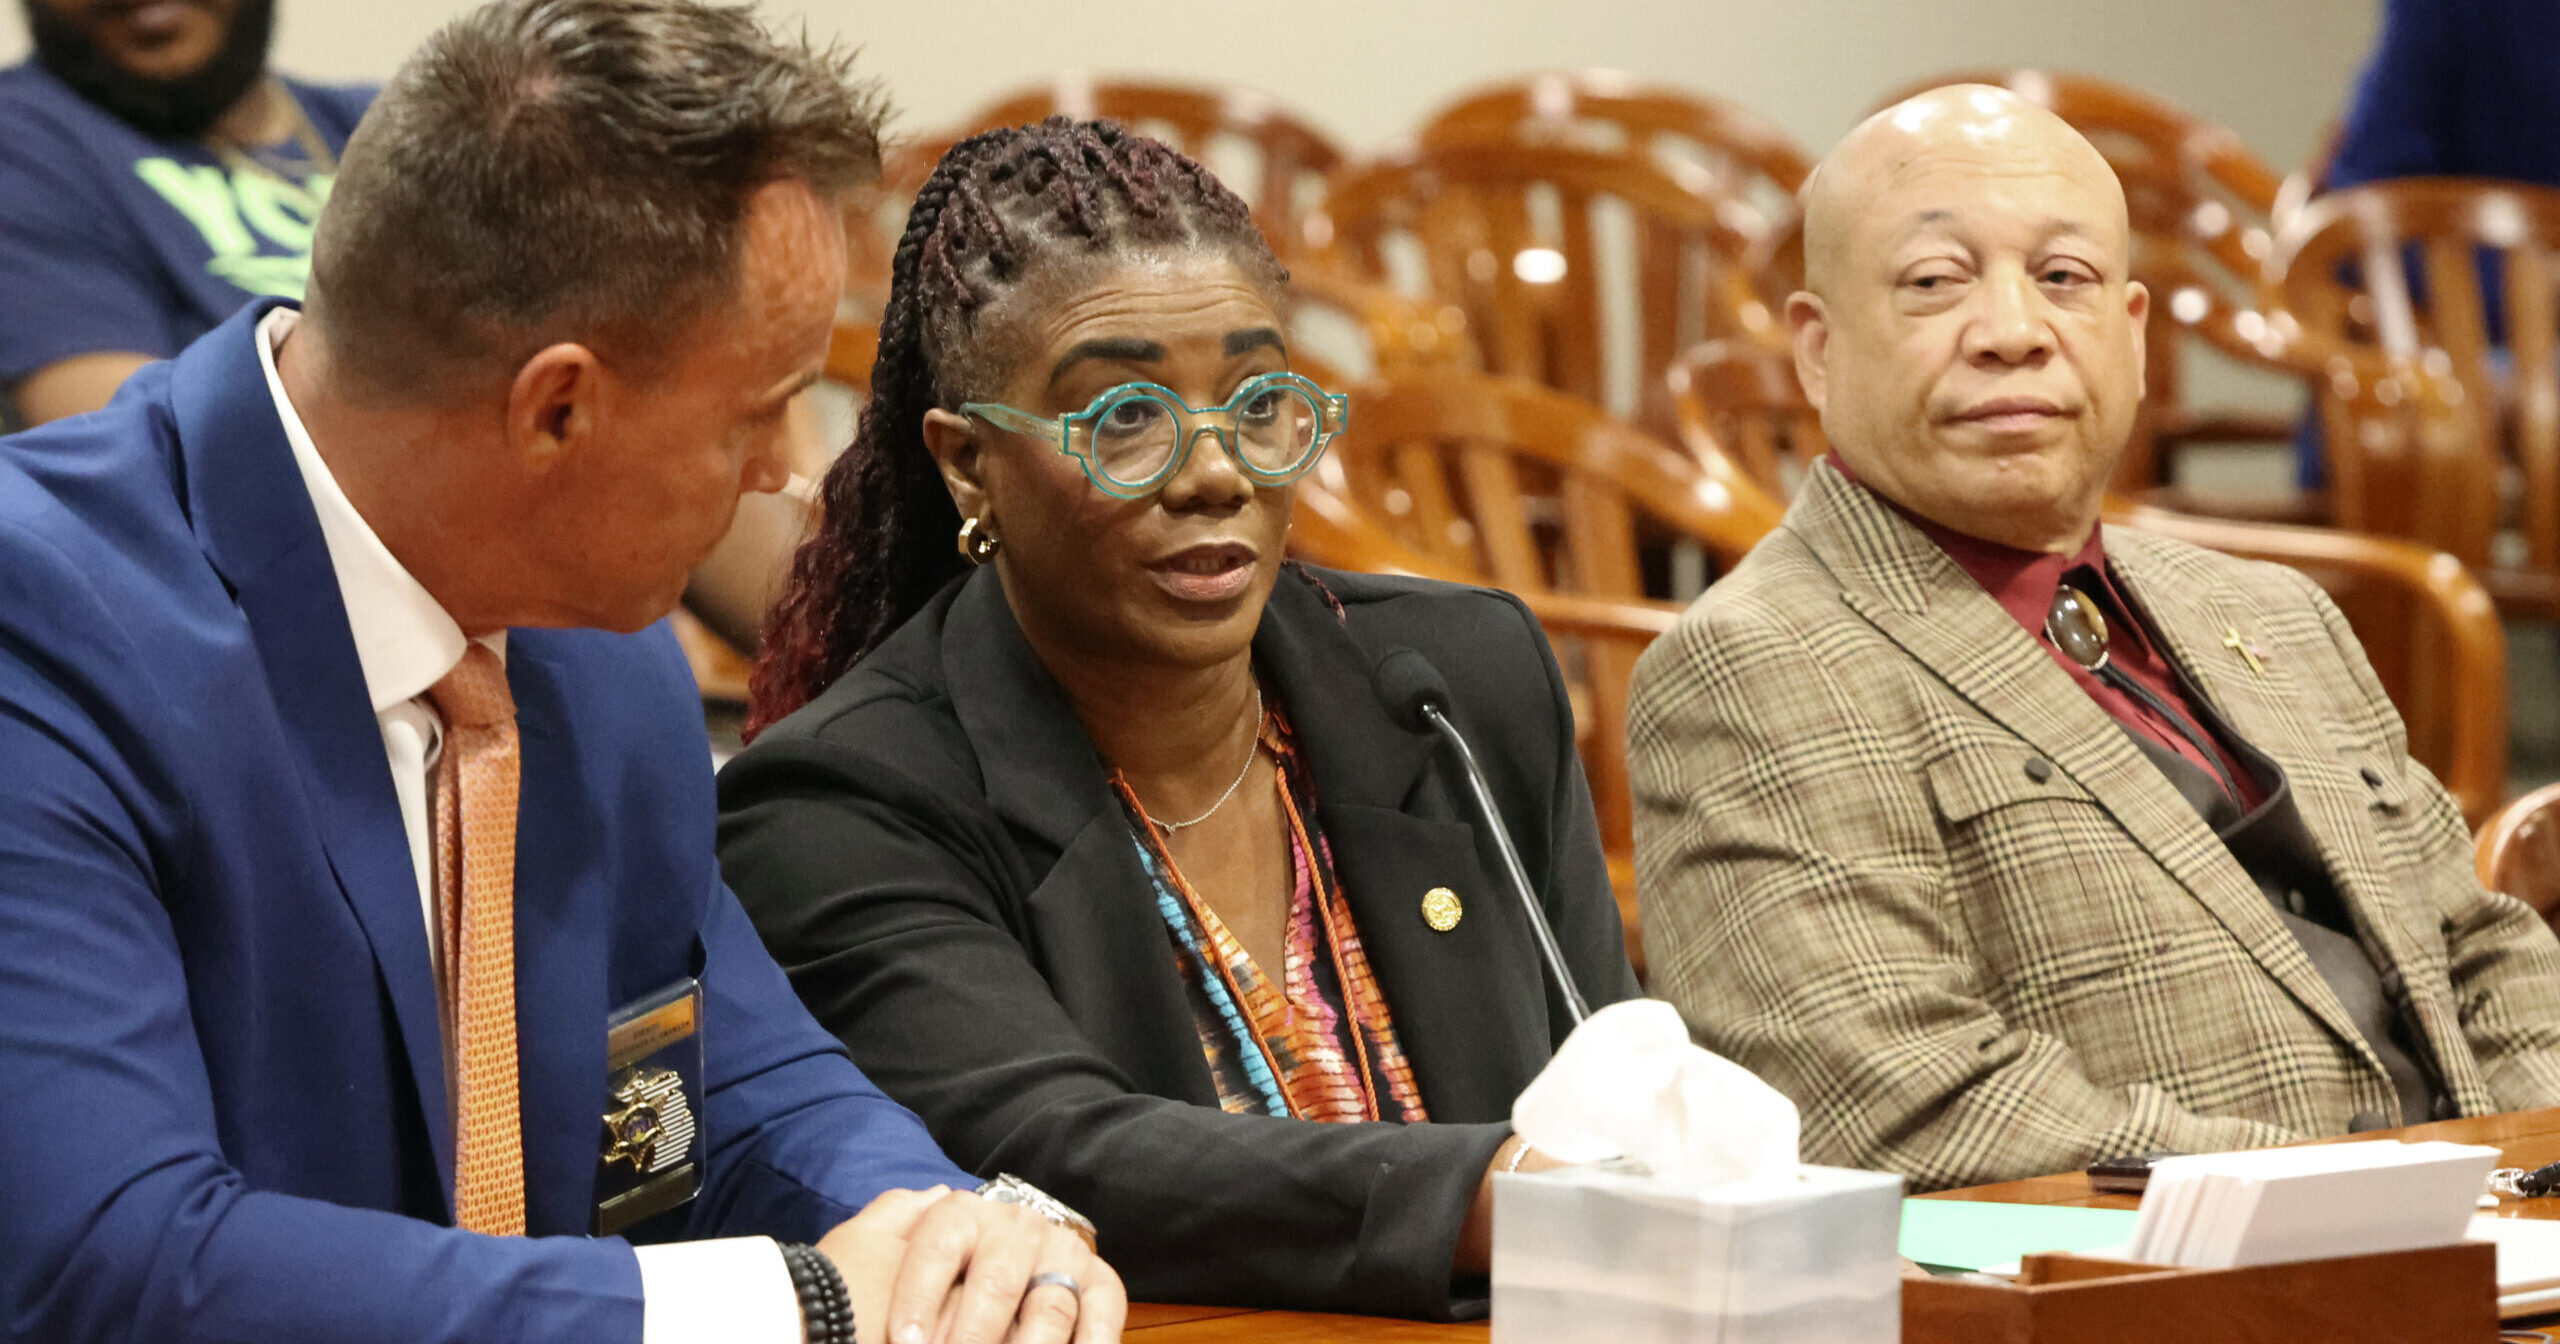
[(826, 1309)]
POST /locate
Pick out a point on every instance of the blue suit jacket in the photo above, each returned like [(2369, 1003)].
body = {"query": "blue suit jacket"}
[(223, 1111)]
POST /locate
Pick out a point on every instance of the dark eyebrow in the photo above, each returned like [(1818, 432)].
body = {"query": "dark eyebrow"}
[(1125, 349), (1254, 337)]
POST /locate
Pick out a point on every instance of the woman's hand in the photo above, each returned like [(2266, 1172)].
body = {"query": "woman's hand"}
[(937, 1267), (1474, 1258)]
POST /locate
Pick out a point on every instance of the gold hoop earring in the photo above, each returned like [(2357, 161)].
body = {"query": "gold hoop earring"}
[(977, 545)]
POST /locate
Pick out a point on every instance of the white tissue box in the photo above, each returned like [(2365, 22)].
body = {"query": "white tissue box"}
[(1594, 1254)]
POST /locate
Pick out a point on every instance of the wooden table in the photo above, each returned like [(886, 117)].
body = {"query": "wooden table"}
[(2529, 1139), (1159, 1323)]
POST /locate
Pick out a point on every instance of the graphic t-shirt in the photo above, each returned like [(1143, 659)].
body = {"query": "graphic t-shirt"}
[(111, 240)]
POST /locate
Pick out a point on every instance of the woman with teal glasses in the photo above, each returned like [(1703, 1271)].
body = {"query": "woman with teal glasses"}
[(1071, 808)]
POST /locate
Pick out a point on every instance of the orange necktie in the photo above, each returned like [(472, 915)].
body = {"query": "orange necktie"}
[(476, 781)]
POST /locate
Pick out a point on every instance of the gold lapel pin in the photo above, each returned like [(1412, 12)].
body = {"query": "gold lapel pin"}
[(1441, 909), (2250, 653)]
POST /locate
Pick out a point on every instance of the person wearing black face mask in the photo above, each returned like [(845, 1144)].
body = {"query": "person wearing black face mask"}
[(154, 177)]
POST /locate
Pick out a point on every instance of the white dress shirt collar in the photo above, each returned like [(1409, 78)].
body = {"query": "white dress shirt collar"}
[(405, 639)]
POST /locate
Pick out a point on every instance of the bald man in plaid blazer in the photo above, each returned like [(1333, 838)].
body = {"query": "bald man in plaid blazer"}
[(1895, 860)]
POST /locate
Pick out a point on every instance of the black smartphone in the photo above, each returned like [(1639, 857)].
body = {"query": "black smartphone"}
[(2124, 1175)]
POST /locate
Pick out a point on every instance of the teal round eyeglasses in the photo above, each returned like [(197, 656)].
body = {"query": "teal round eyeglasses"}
[(1135, 437)]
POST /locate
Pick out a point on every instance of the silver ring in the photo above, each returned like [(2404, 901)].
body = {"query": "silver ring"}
[(1051, 1278)]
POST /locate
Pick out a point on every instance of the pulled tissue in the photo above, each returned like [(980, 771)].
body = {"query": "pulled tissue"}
[(1630, 1083)]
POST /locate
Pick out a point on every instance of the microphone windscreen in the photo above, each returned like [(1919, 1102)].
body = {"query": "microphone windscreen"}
[(1406, 682)]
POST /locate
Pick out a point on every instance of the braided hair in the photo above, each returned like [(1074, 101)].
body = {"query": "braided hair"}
[(1007, 215)]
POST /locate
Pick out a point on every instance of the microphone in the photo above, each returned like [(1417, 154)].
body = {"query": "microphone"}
[(1417, 698)]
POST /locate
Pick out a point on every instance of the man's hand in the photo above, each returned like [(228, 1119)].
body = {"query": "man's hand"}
[(869, 1247), (947, 1268)]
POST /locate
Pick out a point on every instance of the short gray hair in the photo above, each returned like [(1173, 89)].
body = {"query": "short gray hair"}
[(547, 170)]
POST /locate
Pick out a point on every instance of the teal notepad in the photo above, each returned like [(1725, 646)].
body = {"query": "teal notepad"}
[(1966, 1234)]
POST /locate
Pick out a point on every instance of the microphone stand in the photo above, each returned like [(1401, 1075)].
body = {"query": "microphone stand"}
[(1546, 937)]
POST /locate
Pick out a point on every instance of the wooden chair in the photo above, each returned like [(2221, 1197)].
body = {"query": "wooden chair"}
[(1344, 329), (852, 348), (718, 669), (2204, 209), (2519, 851), (2426, 623), (1528, 489), (1748, 162), (2394, 270), (1584, 271), (1750, 167), (1503, 482), (1330, 530), (1737, 401), (1274, 159)]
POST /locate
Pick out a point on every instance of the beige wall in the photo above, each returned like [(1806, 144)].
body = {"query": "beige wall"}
[(2273, 70)]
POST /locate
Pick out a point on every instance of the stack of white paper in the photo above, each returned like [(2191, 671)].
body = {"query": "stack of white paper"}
[(2219, 1210), (2528, 1262)]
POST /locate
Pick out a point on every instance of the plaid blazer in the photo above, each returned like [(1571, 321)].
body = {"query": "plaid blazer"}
[(1895, 861)]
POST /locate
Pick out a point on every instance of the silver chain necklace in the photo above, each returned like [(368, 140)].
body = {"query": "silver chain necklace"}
[(1252, 749)]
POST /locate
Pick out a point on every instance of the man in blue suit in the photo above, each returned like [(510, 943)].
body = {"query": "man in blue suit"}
[(363, 961)]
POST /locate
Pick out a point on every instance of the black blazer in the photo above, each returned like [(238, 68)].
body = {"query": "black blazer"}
[(931, 849)]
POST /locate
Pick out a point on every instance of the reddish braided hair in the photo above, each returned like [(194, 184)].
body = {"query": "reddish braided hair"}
[(1001, 210)]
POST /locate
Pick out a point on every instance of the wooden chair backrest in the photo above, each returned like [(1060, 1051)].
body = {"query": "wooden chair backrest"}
[(1274, 159), (1342, 328), (1738, 401), (852, 348), (1529, 489), (1523, 488), (876, 215), (2518, 851), (2204, 208), (718, 670), (1747, 160), (1331, 530), (2394, 268), (1585, 272)]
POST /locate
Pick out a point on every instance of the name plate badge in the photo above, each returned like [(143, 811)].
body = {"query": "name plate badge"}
[(649, 1159)]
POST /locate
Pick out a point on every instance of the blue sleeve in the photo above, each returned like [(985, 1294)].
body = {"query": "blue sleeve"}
[(334, 109), (2399, 124), (121, 1217), (78, 276), (801, 1140)]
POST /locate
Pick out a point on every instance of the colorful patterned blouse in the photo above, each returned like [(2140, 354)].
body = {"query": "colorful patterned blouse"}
[(1320, 1045)]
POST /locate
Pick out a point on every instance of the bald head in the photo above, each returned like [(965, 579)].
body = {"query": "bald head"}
[(1968, 327), (1988, 129)]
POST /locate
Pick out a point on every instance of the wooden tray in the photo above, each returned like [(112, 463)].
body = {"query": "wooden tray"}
[(2442, 1295)]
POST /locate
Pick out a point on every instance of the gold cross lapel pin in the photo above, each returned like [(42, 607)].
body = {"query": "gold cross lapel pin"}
[(2249, 653)]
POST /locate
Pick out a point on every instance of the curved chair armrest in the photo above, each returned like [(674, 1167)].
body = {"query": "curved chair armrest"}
[(2518, 850)]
